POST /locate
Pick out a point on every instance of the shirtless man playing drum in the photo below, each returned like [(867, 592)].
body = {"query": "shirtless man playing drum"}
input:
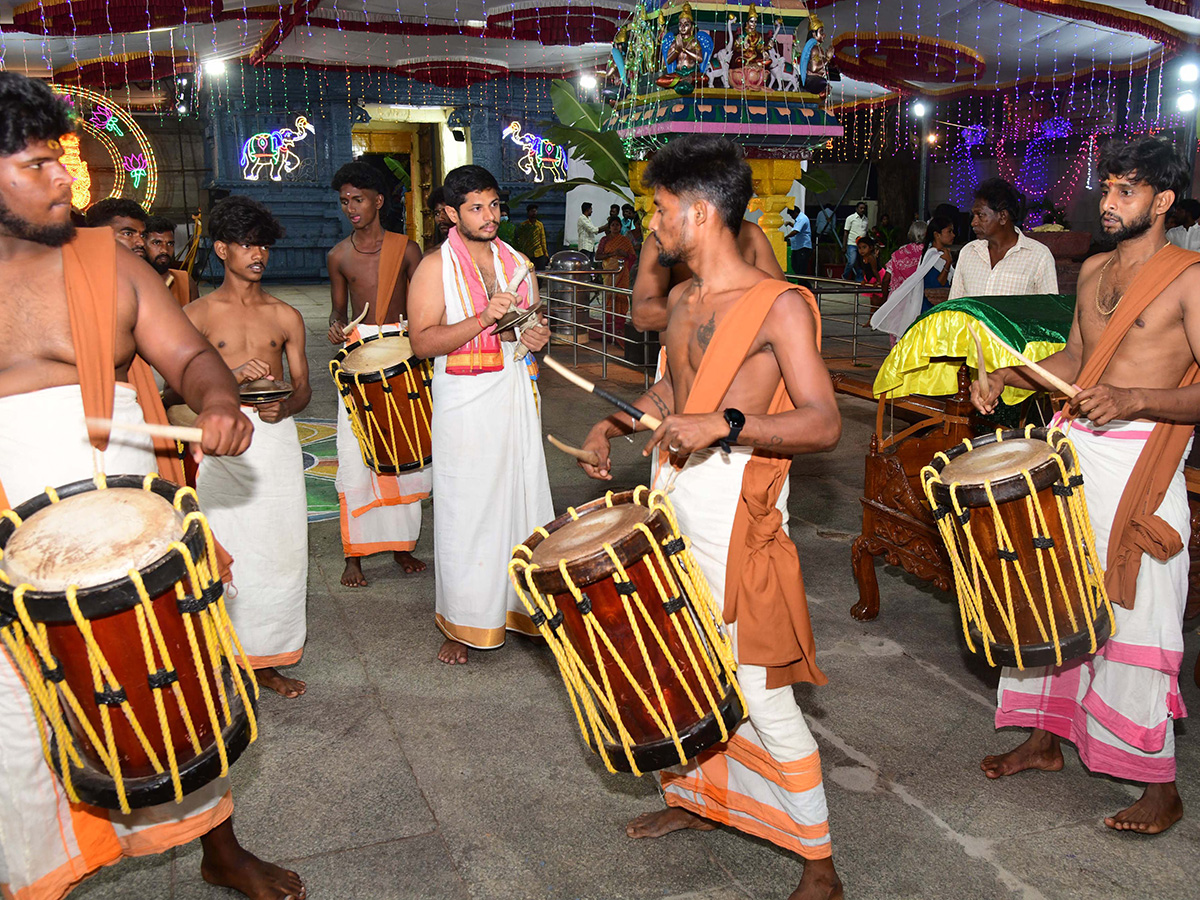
[(48, 844), (354, 265), (1119, 706), (764, 395)]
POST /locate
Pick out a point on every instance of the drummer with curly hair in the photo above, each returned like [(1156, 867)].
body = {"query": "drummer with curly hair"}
[(744, 390), (83, 318), (1133, 348), (256, 503)]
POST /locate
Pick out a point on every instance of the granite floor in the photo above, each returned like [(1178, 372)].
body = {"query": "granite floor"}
[(398, 777)]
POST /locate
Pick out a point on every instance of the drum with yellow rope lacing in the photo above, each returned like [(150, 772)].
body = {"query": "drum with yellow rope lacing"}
[(1011, 510), (614, 589), (112, 608), (386, 392)]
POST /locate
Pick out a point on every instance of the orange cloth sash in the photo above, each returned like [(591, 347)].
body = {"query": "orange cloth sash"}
[(391, 262), (1136, 529), (180, 286), (482, 353), (764, 589)]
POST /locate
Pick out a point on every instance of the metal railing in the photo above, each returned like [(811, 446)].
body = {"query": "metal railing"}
[(570, 306), (845, 319)]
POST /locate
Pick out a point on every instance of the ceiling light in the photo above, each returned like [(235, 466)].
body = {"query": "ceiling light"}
[(182, 109), (587, 81), (1189, 72), (919, 109), (475, 23), (1185, 102), (214, 66), (933, 138)]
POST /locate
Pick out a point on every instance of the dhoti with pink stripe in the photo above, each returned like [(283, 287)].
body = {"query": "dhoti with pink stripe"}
[(766, 780), (1118, 707)]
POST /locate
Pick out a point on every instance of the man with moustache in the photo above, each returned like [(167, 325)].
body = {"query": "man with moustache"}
[(126, 218), (1133, 349), (160, 252), (490, 479), (370, 270), (85, 321)]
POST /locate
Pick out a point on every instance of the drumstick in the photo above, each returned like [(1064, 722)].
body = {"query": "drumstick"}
[(642, 418), (356, 321), (587, 456), (171, 432), (1047, 376), (982, 380)]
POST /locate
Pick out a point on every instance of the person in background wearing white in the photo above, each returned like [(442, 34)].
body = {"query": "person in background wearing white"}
[(856, 226), (587, 230)]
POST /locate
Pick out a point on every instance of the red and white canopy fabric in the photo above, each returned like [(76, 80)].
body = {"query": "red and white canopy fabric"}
[(933, 47)]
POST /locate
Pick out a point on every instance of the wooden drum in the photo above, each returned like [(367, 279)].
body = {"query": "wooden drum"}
[(386, 392), (1011, 510), (616, 593), (111, 606)]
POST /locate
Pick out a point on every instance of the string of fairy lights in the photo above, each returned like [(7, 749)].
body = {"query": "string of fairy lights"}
[(1054, 87)]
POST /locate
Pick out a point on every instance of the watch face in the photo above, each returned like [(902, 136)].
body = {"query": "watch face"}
[(735, 418)]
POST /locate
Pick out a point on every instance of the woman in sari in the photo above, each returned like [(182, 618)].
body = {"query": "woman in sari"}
[(906, 259), (615, 252), (907, 301)]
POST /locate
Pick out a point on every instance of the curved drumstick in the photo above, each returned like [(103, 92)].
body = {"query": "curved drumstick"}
[(642, 418), (356, 321), (171, 432), (982, 380), (587, 456), (1044, 374)]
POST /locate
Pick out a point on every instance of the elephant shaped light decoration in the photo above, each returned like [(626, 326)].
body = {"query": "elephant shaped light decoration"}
[(272, 150), (541, 156)]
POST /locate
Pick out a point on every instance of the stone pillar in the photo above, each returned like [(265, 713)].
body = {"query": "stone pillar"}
[(772, 180)]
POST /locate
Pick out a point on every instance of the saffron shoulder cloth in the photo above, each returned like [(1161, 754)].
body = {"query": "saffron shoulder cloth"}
[(764, 589), (1136, 529)]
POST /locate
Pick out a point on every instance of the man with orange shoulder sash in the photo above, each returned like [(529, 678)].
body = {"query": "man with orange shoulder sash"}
[(491, 482), (743, 391), (369, 272), (89, 319), (160, 253), (1133, 351)]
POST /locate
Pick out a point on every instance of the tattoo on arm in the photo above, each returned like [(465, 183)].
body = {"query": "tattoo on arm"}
[(768, 442), (662, 407), (704, 333)]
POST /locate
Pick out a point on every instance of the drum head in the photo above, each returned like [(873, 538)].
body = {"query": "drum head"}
[(264, 390), (1001, 459), (589, 533), (382, 353), (91, 538), (181, 414)]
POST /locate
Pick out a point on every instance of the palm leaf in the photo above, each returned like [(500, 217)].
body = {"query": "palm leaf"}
[(816, 180), (398, 170), (572, 111), (542, 189)]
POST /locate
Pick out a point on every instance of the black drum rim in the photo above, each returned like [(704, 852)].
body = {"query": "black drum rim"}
[(1010, 487), (701, 736), (1074, 646), (119, 595), (96, 787), (345, 380)]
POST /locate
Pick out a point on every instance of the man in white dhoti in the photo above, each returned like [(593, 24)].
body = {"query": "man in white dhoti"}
[(1137, 326), (256, 503), (84, 308), (490, 478), (743, 371), (369, 274)]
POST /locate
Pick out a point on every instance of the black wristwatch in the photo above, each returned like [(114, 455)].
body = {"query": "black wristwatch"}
[(737, 421)]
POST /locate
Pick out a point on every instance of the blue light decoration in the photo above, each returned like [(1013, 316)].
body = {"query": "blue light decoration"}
[(540, 155), (272, 150), (1032, 179), (964, 170)]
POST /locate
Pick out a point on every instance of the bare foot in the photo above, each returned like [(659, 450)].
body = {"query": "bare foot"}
[(409, 563), (453, 653), (227, 864), (272, 679), (819, 882), (664, 821), (1040, 751), (352, 575), (1158, 809)]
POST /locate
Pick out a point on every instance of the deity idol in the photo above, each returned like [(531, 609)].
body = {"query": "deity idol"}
[(811, 59), (751, 55), (686, 52)]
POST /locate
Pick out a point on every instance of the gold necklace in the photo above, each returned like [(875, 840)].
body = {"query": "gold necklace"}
[(1100, 282)]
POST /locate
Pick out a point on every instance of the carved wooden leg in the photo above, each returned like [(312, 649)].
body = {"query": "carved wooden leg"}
[(863, 563)]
